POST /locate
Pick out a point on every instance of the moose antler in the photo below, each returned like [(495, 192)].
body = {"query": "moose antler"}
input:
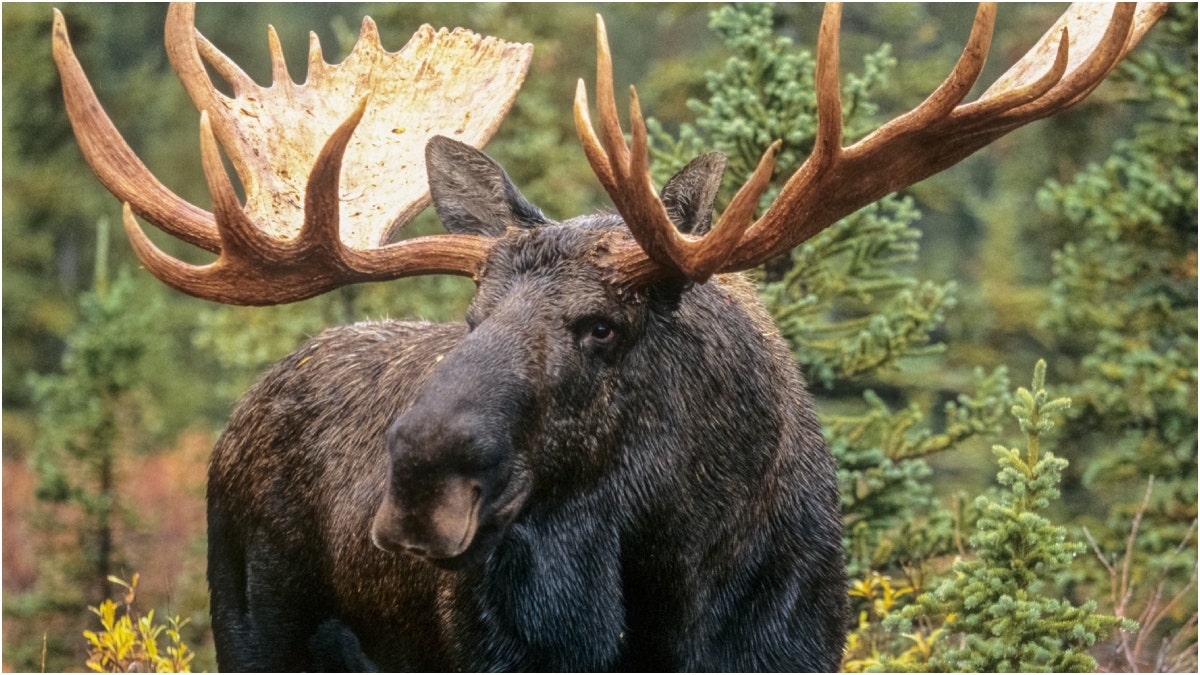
[(331, 168), (1070, 60)]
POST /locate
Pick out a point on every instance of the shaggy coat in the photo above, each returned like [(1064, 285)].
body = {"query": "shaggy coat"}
[(579, 477)]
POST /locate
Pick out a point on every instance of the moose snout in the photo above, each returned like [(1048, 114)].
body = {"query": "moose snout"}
[(441, 522), (455, 484), (447, 468)]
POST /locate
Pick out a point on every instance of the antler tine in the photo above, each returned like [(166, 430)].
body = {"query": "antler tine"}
[(828, 143), (625, 175), (183, 45), (936, 134), (966, 70), (279, 69), (611, 136), (322, 201), (835, 181), (319, 208), (240, 238), (114, 162), (186, 47), (592, 148)]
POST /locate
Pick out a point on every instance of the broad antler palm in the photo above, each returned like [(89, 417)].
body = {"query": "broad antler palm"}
[(331, 168)]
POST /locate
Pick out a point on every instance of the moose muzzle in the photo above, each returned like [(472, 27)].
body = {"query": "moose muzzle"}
[(455, 484), (442, 524)]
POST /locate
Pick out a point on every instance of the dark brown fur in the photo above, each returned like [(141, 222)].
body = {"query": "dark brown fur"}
[(653, 489)]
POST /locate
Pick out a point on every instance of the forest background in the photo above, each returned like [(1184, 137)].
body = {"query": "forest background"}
[(1072, 240)]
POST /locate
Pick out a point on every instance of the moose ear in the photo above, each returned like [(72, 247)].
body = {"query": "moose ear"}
[(472, 194), (690, 194)]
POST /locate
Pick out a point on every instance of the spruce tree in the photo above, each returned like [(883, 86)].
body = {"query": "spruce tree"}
[(1123, 296), (1000, 611), (88, 411), (92, 419)]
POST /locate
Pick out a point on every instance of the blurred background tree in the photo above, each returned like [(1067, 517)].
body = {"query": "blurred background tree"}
[(906, 317), (1121, 311)]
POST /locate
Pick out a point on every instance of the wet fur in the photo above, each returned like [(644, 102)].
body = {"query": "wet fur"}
[(683, 510)]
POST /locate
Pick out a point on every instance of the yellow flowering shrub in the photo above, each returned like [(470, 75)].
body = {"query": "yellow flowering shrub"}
[(130, 643)]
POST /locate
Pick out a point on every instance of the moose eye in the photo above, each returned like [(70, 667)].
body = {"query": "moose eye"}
[(602, 332), (596, 334)]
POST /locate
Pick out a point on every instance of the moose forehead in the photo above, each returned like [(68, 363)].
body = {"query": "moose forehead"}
[(571, 250), (560, 260)]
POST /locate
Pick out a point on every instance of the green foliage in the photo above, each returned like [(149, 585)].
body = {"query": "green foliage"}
[(1123, 297), (763, 93), (89, 412), (34, 165), (130, 643), (1123, 306), (101, 366), (844, 303), (892, 518), (1001, 603)]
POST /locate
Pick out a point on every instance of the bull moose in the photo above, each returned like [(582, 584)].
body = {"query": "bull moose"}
[(613, 462)]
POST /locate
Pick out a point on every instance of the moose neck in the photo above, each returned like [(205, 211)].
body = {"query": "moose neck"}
[(549, 597)]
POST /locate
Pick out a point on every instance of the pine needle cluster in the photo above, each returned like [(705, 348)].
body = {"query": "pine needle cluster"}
[(999, 612)]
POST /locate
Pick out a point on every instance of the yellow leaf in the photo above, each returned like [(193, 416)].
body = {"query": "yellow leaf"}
[(861, 589), (107, 612)]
